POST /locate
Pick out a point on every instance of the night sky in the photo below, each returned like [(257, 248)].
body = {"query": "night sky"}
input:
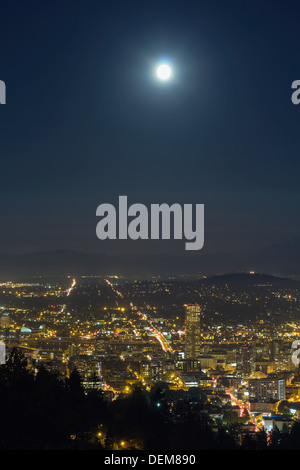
[(85, 120)]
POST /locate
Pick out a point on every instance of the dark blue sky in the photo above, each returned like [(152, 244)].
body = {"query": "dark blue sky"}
[(85, 121)]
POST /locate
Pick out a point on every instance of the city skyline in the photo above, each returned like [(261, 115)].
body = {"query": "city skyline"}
[(131, 319), (105, 343)]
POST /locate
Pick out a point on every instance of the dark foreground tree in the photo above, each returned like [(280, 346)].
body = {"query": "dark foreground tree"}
[(40, 411)]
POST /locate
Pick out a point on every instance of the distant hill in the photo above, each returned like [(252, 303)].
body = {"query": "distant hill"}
[(250, 280), (277, 260)]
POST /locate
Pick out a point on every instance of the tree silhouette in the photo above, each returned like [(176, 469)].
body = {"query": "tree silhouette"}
[(39, 410)]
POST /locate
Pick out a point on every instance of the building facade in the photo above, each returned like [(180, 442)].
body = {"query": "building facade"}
[(192, 331)]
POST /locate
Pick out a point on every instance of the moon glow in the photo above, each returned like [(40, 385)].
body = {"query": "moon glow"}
[(164, 72)]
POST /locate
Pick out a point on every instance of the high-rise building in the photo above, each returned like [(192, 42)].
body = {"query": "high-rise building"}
[(266, 390), (245, 356), (192, 331), (273, 349)]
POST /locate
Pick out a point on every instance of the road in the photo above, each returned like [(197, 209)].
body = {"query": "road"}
[(166, 347)]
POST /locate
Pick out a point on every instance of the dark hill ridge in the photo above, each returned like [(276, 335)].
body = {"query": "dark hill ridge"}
[(250, 280), (192, 264)]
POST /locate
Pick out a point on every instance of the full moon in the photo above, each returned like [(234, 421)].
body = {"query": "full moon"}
[(164, 72)]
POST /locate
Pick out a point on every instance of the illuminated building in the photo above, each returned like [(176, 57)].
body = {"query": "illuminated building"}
[(192, 331), (244, 360), (266, 390)]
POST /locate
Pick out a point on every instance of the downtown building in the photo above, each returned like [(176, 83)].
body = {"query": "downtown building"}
[(265, 393), (266, 390), (245, 360), (192, 348)]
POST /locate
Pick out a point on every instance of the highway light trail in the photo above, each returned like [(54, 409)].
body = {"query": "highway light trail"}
[(68, 293), (159, 336), (242, 407), (113, 288), (72, 287)]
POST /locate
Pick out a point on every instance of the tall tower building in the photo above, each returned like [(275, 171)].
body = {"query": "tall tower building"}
[(245, 358), (192, 331)]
